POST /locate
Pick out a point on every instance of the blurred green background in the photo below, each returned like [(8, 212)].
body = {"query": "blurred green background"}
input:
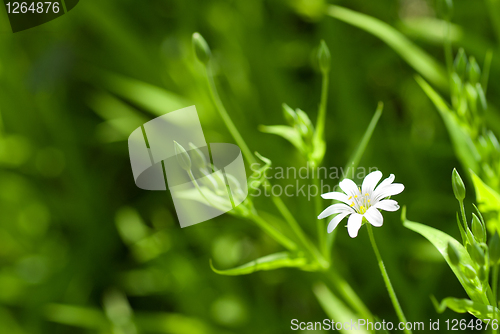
[(83, 250)]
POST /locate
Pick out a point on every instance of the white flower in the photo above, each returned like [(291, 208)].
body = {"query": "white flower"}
[(364, 202)]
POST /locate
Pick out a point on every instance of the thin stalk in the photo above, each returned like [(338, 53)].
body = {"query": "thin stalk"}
[(495, 290), (321, 226), (320, 123), (274, 233), (251, 159), (387, 281), (225, 117)]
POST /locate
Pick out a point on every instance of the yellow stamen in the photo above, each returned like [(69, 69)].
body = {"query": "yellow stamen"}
[(352, 204), (355, 196), (367, 194)]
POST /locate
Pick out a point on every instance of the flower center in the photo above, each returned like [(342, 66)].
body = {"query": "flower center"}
[(360, 203)]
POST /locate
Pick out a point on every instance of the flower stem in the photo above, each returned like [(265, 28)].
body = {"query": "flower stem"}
[(387, 281), (190, 173), (274, 233), (320, 123), (251, 159), (225, 117), (317, 209)]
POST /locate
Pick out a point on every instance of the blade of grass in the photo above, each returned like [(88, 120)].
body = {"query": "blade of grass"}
[(411, 53)]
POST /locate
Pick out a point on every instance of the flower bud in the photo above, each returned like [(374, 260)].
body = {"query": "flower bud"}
[(477, 254), (473, 71), (458, 186), (305, 126), (182, 157), (453, 254), (494, 249), (456, 90), (201, 48), (478, 229), (324, 57), (468, 271), (289, 114), (460, 63), (198, 157), (482, 97), (445, 9), (482, 274), (472, 97), (209, 181)]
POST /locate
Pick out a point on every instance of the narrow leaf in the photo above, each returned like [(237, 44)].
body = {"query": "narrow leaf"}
[(479, 310), (269, 262), (411, 53), (489, 202)]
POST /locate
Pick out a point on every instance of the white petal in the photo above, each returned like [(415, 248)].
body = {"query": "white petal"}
[(374, 217), (349, 187), (387, 205), (335, 208), (336, 196), (371, 181), (354, 224), (386, 181), (336, 220), (390, 190)]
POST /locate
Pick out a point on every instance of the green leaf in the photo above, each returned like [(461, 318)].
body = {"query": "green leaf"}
[(287, 132), (464, 147), (479, 310), (360, 150), (411, 53), (440, 240), (269, 262), (335, 308), (489, 202)]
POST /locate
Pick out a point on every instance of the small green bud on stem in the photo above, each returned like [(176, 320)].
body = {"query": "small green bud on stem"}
[(460, 64), (324, 57), (290, 115), (182, 156), (478, 229), (458, 185), (473, 71), (201, 48), (198, 157)]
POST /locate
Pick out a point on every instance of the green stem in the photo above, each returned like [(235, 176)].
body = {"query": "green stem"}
[(495, 297), (387, 281), (317, 209), (320, 123), (251, 159), (274, 233), (225, 117)]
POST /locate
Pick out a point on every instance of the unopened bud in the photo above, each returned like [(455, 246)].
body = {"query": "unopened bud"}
[(482, 97), (478, 229), (469, 272), (289, 114), (201, 48), (460, 63), (477, 254), (458, 185), (324, 57), (305, 126), (182, 156), (473, 71), (198, 157), (472, 97)]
